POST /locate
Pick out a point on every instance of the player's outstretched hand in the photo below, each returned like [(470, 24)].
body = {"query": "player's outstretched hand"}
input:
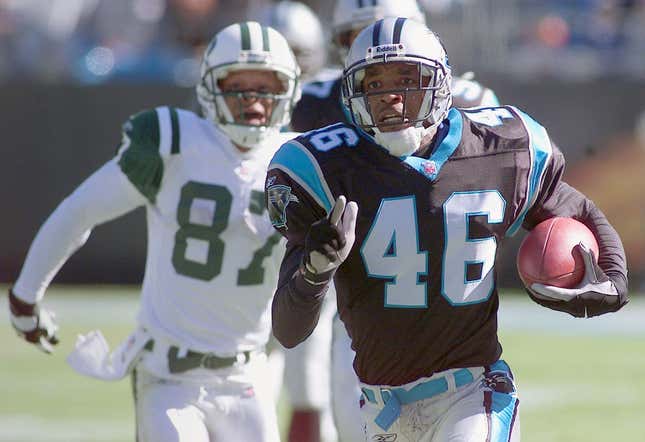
[(329, 241), (595, 295), (33, 324)]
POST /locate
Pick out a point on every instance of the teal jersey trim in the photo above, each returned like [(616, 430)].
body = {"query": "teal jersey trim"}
[(301, 166), (503, 408), (431, 167), (141, 161), (541, 152)]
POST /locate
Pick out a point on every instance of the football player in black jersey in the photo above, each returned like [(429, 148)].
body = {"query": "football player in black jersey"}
[(321, 106), (305, 376), (404, 209)]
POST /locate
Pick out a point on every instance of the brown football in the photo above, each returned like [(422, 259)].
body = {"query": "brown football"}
[(546, 254)]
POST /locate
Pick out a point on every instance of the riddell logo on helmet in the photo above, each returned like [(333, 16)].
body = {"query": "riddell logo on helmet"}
[(385, 49), (254, 56)]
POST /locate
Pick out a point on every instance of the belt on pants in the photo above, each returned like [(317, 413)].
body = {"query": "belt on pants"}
[(194, 359), (393, 398)]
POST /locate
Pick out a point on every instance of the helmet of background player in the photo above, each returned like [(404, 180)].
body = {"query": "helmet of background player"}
[(425, 96), (248, 46), (303, 30), (351, 16)]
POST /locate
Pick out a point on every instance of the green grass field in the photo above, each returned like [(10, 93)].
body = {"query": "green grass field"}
[(579, 380)]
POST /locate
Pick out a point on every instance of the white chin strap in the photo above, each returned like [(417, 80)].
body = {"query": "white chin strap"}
[(248, 136), (401, 143)]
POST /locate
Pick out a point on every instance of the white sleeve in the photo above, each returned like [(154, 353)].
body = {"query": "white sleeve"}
[(105, 195)]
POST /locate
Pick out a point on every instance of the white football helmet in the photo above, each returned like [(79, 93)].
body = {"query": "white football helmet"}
[(398, 40), (354, 15), (302, 29), (240, 46)]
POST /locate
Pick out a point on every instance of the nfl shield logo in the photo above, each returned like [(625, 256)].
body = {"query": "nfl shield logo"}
[(430, 168)]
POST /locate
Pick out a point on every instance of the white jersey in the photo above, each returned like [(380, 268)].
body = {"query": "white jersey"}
[(213, 256), (212, 261)]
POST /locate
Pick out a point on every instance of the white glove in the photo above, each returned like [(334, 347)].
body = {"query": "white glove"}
[(33, 323), (92, 357), (596, 294), (329, 241)]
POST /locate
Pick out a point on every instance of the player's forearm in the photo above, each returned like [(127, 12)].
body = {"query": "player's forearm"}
[(296, 309), (55, 242), (103, 196), (612, 259), (569, 202)]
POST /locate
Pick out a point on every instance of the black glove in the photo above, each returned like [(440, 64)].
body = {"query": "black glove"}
[(595, 295), (33, 324), (329, 241)]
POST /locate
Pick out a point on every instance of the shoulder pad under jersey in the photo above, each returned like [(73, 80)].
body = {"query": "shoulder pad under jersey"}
[(148, 137), (467, 93)]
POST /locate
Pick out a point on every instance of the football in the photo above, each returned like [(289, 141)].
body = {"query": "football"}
[(546, 254)]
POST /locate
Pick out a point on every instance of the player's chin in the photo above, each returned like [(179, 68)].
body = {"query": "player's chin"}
[(256, 121), (389, 127)]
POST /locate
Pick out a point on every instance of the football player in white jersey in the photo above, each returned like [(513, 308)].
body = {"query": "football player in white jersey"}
[(302, 28), (197, 355)]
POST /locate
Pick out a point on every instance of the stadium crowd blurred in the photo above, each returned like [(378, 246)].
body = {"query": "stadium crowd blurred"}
[(96, 41), (509, 44)]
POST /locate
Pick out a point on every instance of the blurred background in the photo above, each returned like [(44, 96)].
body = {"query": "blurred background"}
[(71, 71)]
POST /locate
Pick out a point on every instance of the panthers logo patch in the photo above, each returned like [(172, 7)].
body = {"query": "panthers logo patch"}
[(279, 196)]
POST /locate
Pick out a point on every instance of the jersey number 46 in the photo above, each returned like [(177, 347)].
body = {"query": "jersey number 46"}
[(391, 250)]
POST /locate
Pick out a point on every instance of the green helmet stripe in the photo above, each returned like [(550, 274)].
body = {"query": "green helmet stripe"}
[(265, 39), (174, 124), (246, 36), (211, 46)]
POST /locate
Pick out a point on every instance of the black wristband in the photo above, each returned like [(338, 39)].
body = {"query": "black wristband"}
[(19, 307)]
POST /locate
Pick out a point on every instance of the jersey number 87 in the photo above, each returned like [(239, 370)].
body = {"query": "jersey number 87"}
[(253, 274)]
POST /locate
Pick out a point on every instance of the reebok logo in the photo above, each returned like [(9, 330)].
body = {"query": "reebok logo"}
[(384, 437)]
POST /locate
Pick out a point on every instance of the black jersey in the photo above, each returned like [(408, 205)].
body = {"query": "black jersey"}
[(417, 293), (321, 103), (320, 106)]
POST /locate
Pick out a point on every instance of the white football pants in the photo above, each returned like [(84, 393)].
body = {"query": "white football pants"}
[(307, 368), (483, 410), (346, 391), (206, 405)]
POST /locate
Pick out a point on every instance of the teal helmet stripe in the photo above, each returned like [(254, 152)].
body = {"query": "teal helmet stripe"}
[(246, 36), (265, 39)]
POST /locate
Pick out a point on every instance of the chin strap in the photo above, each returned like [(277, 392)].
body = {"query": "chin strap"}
[(402, 143)]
